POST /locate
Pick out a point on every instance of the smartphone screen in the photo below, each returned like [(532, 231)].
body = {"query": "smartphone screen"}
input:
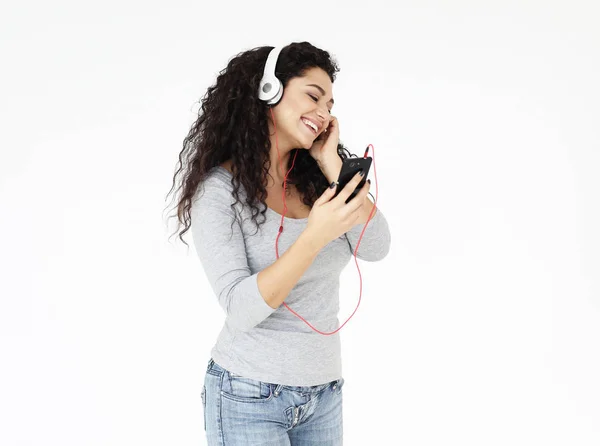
[(350, 167)]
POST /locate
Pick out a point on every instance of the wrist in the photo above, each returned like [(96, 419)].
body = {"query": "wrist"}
[(330, 167), (311, 241)]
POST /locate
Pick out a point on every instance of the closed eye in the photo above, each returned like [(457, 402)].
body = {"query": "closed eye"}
[(316, 99)]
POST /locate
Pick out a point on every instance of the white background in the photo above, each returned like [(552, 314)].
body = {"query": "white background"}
[(481, 326)]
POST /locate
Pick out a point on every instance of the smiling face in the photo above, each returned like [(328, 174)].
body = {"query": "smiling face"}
[(304, 98)]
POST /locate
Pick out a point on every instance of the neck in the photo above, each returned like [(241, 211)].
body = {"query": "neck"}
[(278, 167), (279, 160)]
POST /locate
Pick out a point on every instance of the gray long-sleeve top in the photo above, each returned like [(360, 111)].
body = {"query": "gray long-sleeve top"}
[(257, 341)]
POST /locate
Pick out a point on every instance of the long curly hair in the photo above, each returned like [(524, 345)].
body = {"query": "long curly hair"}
[(233, 124)]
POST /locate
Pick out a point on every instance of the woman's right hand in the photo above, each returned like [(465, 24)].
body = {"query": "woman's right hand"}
[(331, 217)]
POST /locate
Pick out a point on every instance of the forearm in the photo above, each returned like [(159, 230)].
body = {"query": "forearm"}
[(277, 280), (331, 168)]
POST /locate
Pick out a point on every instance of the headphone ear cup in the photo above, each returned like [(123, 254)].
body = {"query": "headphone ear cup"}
[(270, 88), (279, 94)]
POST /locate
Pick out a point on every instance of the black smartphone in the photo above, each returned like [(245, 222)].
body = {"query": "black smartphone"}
[(350, 167)]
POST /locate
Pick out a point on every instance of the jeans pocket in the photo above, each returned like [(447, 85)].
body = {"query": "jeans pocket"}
[(245, 390), (203, 396)]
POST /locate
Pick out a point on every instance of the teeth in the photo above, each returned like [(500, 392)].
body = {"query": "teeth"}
[(306, 121), (311, 124)]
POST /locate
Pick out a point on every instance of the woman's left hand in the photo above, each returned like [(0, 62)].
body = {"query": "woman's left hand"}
[(324, 148)]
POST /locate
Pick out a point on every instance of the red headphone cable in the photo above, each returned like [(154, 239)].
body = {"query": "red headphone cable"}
[(357, 244)]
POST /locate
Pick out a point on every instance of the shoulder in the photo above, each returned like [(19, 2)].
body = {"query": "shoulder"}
[(217, 178), (217, 189)]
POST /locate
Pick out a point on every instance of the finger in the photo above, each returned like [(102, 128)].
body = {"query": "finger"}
[(327, 194), (332, 122), (349, 188), (359, 198)]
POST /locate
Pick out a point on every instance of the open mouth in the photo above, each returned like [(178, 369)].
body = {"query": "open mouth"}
[(312, 130)]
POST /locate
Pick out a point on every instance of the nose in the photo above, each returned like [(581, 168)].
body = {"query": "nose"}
[(324, 118)]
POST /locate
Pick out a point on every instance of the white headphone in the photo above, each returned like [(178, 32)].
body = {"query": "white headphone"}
[(270, 88)]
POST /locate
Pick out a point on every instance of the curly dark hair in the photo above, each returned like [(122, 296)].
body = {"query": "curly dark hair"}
[(233, 123)]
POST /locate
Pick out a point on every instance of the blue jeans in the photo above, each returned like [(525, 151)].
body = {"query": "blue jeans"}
[(241, 411)]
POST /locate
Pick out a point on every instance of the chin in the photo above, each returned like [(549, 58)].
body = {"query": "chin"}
[(306, 142), (309, 142), (302, 144)]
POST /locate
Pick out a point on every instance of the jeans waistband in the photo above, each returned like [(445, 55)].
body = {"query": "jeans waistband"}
[(212, 365)]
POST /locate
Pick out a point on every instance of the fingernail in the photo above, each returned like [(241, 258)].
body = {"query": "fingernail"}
[(362, 173), (369, 181), (332, 185)]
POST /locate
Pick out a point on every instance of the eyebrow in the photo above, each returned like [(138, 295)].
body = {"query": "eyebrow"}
[(322, 92)]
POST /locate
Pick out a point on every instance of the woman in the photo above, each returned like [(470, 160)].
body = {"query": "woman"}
[(271, 378)]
